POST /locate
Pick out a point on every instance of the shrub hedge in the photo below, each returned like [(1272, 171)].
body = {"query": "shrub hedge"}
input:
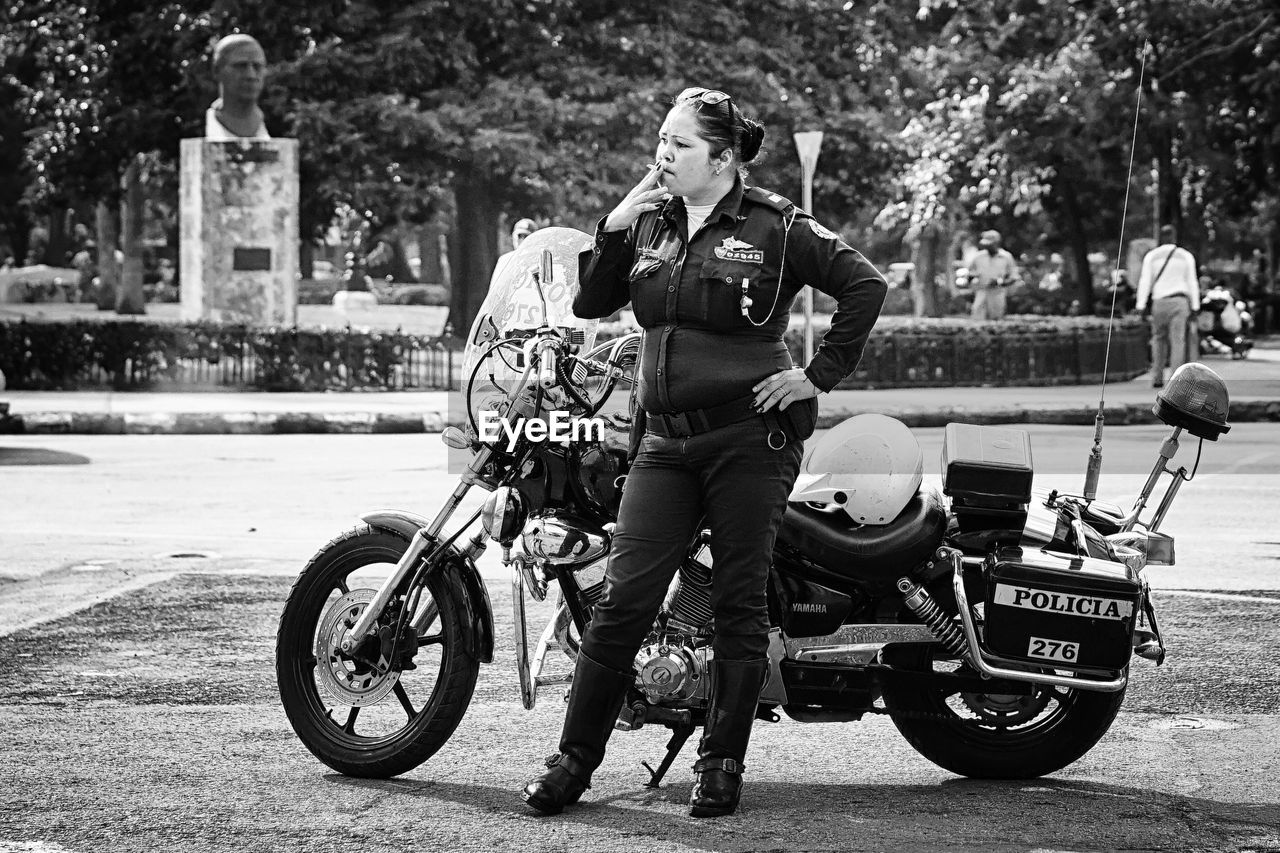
[(905, 352), (902, 352), (139, 355)]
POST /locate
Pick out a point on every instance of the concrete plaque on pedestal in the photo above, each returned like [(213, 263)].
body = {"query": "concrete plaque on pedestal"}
[(239, 237)]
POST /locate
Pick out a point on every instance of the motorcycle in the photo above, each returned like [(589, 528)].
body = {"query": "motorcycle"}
[(994, 623)]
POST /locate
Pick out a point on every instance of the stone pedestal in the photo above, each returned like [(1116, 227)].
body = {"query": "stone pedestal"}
[(239, 230)]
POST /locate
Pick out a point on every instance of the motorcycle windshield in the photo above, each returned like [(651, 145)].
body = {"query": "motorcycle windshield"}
[(512, 303), (512, 307)]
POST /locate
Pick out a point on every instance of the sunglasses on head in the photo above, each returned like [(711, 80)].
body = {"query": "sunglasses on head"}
[(710, 97)]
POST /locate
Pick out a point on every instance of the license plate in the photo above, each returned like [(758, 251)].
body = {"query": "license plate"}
[(1058, 650)]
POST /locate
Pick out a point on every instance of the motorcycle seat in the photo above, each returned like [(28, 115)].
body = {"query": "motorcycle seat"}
[(826, 535)]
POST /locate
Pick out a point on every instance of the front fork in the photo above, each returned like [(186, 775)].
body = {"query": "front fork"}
[(418, 546)]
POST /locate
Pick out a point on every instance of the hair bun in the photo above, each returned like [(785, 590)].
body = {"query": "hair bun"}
[(752, 138)]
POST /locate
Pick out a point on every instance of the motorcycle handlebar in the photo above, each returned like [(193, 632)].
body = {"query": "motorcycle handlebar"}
[(547, 363)]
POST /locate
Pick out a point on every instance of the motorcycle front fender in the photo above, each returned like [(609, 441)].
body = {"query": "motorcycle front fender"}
[(461, 572)]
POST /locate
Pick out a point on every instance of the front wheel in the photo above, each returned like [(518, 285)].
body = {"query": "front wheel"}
[(996, 736), (354, 719)]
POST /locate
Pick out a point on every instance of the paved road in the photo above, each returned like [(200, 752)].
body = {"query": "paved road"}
[(150, 720), (272, 500)]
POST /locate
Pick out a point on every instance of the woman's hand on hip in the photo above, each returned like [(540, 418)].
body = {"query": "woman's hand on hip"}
[(646, 195), (784, 388)]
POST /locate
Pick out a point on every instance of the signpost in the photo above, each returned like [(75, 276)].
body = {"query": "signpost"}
[(807, 145)]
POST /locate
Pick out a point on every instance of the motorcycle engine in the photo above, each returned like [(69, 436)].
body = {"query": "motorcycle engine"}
[(672, 672), (688, 605), (673, 667)]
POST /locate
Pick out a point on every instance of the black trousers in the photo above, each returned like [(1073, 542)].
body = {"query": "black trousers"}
[(731, 478)]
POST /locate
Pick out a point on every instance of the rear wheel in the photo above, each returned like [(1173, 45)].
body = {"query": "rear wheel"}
[(356, 720), (998, 736)]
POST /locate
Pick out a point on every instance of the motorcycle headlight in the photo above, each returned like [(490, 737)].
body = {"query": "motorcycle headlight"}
[(503, 515)]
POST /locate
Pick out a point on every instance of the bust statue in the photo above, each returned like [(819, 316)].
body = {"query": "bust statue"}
[(239, 65)]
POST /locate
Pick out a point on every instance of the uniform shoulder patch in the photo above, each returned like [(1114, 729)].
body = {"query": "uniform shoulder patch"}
[(768, 199), (824, 233)]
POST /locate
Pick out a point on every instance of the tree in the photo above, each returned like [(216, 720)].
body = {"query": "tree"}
[(1022, 133), (15, 175), (549, 109)]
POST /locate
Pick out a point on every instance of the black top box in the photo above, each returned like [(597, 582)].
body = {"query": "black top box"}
[(986, 466)]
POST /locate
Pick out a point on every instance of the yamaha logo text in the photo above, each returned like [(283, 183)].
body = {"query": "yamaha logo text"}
[(807, 607), (1063, 602)]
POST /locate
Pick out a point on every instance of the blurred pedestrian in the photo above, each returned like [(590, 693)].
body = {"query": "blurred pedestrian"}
[(166, 281), (1168, 282), (522, 229), (991, 271), (1124, 293), (86, 266)]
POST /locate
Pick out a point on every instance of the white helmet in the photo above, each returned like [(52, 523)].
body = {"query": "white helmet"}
[(869, 464)]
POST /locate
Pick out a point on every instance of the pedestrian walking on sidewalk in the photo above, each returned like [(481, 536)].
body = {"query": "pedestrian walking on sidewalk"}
[(992, 271), (1168, 282), (711, 267)]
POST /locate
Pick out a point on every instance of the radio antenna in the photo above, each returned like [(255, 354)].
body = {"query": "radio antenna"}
[(1094, 467)]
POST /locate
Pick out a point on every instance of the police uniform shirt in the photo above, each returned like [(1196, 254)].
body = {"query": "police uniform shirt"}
[(698, 348)]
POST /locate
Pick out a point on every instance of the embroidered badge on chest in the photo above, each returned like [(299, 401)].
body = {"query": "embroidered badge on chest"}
[(733, 249)]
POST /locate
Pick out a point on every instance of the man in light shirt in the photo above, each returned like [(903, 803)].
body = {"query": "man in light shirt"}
[(1168, 281), (992, 270)]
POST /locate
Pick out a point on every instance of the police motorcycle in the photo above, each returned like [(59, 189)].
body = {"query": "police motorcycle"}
[(994, 621)]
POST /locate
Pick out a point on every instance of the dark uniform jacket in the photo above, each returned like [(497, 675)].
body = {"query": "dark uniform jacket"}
[(698, 349)]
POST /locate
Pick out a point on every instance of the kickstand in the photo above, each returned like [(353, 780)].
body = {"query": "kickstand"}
[(679, 734)]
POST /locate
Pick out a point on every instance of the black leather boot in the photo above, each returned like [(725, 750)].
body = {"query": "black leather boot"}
[(736, 689), (594, 701)]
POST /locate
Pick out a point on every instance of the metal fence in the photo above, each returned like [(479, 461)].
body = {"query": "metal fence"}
[(925, 358)]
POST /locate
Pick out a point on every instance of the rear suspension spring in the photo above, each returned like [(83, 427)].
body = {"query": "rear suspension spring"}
[(927, 610)]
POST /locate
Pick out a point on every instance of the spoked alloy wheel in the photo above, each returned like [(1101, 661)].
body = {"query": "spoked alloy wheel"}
[(998, 736), (353, 718)]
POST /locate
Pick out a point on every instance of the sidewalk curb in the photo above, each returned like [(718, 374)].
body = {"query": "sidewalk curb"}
[(297, 423), (1129, 414)]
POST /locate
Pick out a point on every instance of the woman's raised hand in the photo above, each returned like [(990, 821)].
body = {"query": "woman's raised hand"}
[(647, 195)]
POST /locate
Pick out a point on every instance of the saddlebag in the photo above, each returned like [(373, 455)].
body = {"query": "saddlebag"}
[(1058, 610)]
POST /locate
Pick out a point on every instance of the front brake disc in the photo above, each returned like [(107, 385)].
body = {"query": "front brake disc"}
[(348, 681)]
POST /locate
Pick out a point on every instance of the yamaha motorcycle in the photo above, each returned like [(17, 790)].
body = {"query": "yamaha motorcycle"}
[(993, 622)]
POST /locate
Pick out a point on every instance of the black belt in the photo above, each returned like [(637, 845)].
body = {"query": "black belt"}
[(697, 421)]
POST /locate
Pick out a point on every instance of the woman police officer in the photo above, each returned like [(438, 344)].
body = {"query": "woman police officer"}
[(711, 267)]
